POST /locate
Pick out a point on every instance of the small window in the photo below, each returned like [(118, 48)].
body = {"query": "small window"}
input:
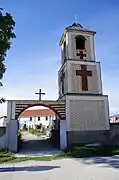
[(38, 118), (46, 118), (30, 118), (80, 42), (64, 51)]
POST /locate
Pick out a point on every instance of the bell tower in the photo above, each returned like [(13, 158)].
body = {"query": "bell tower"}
[(79, 72), (77, 43), (80, 85)]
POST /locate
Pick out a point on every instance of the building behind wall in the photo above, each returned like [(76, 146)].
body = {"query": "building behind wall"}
[(114, 118), (30, 118), (3, 121)]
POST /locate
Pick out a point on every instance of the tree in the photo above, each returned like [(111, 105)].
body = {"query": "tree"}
[(6, 34)]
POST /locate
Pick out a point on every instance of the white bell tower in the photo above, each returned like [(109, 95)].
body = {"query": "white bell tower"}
[(77, 43), (79, 72)]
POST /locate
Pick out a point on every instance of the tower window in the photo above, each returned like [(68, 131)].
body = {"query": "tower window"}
[(80, 42), (46, 118), (30, 118), (64, 50)]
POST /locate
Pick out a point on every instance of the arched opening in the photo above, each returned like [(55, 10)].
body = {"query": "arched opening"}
[(39, 127), (80, 42)]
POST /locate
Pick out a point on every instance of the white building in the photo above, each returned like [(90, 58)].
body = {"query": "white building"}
[(30, 118), (114, 118), (3, 121)]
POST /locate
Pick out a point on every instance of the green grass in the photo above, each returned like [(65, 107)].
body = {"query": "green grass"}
[(83, 151), (37, 158), (6, 156), (73, 152), (37, 133)]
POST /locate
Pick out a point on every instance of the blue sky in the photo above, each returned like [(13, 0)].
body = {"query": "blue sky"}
[(34, 59)]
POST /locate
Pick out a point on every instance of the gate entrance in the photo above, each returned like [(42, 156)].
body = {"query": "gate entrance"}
[(16, 107)]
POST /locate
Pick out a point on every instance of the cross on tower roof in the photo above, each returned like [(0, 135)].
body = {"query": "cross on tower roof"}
[(40, 93)]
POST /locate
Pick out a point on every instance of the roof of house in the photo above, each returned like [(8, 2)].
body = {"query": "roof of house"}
[(37, 113)]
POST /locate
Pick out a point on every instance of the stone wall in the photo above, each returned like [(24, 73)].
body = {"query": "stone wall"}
[(85, 137), (87, 113), (109, 137), (114, 133), (3, 140)]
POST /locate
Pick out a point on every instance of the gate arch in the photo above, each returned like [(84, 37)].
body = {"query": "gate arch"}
[(40, 104), (16, 107)]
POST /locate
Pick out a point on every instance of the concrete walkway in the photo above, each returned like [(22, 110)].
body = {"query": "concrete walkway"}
[(36, 146), (72, 169)]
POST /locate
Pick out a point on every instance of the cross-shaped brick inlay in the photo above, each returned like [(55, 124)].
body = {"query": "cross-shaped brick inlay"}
[(84, 76), (81, 54)]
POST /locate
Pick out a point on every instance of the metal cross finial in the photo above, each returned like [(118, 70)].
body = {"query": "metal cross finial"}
[(40, 93), (75, 18)]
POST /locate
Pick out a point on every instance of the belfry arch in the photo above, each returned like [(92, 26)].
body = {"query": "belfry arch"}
[(16, 107)]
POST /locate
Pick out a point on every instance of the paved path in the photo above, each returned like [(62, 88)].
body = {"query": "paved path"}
[(71, 169), (36, 146)]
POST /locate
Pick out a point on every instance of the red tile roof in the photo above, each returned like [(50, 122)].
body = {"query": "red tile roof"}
[(37, 113)]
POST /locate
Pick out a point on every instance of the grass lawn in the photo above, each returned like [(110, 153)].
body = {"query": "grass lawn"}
[(6, 156), (73, 152), (84, 151), (37, 133)]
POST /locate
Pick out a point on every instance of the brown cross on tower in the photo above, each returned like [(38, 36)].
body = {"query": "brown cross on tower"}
[(62, 80), (81, 54), (40, 93), (84, 74)]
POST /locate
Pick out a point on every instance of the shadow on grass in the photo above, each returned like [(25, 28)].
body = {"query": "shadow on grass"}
[(28, 168)]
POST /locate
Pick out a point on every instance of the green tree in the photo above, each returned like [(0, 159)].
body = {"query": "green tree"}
[(6, 34)]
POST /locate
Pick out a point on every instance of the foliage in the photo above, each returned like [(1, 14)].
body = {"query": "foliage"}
[(6, 156), (6, 34), (73, 152), (35, 132), (38, 126), (84, 151), (39, 130)]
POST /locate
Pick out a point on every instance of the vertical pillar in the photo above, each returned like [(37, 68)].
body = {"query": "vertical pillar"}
[(11, 128), (13, 135), (63, 135), (9, 110)]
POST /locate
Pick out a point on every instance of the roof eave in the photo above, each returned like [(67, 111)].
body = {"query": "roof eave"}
[(82, 30), (76, 30)]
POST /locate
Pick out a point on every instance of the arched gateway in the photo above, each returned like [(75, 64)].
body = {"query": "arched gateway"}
[(16, 107)]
